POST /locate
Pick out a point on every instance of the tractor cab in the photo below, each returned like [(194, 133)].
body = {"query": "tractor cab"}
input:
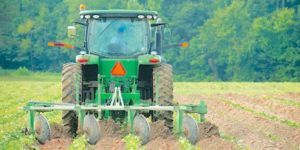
[(118, 33)]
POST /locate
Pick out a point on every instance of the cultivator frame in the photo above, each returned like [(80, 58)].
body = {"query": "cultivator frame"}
[(34, 107)]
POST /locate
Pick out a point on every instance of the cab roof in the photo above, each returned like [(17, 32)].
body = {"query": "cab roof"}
[(118, 13)]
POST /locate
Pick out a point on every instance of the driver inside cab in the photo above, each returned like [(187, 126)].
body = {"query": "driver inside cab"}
[(118, 42)]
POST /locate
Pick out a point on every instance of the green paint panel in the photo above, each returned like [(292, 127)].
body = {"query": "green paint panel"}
[(126, 97), (31, 115)]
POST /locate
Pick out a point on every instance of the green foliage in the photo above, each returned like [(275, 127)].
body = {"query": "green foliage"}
[(186, 145), (290, 103), (236, 43), (231, 40), (14, 95), (132, 142), (25, 43), (3, 72), (79, 143), (17, 140), (238, 143), (23, 74), (287, 122), (26, 27), (245, 88), (183, 142), (22, 71)]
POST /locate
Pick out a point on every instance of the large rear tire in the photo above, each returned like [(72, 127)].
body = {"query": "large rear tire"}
[(70, 118), (163, 83)]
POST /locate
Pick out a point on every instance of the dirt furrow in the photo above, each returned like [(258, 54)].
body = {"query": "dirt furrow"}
[(293, 96), (57, 144), (245, 129), (269, 106), (252, 131), (112, 138), (215, 143)]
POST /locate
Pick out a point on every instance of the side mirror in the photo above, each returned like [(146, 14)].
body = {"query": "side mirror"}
[(159, 24), (71, 31)]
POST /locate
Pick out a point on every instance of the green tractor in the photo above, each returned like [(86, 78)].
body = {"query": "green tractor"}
[(119, 74)]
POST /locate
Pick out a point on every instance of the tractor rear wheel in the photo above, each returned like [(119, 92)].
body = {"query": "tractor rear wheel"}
[(163, 84), (70, 118)]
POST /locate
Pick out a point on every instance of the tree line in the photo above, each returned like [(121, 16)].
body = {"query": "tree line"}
[(230, 40)]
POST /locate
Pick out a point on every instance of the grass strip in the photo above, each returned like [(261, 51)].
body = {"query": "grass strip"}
[(17, 140), (290, 103), (264, 115)]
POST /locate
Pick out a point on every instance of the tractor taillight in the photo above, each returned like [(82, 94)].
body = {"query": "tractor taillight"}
[(154, 60), (118, 70), (82, 60)]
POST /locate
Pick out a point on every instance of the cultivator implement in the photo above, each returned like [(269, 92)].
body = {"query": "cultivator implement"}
[(88, 123)]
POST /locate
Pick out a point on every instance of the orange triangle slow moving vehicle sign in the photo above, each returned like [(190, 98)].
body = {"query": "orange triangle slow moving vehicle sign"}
[(118, 70)]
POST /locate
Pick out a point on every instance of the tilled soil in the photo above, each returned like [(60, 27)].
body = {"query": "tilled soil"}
[(59, 138), (267, 105), (239, 128), (112, 135), (246, 129)]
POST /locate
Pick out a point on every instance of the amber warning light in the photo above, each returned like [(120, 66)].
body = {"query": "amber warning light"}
[(82, 7), (118, 70), (184, 44), (61, 45)]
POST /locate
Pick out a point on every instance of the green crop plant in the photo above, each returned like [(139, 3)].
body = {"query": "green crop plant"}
[(79, 143), (287, 122), (17, 140), (133, 142), (272, 137), (245, 88), (14, 94), (290, 102), (26, 75), (186, 145), (237, 143)]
